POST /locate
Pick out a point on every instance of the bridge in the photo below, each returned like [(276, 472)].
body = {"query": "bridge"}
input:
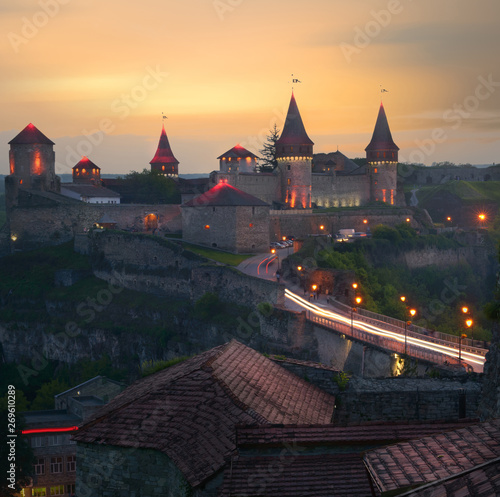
[(390, 334)]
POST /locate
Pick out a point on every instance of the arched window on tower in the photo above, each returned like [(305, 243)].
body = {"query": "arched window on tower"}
[(288, 167)]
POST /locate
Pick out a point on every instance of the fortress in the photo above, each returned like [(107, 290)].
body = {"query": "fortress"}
[(42, 211)]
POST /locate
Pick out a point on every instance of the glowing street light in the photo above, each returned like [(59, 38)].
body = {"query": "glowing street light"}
[(314, 287), (408, 219), (402, 298), (448, 218), (365, 221), (358, 300), (321, 227), (299, 268), (355, 285)]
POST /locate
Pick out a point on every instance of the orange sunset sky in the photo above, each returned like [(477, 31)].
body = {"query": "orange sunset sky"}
[(221, 71)]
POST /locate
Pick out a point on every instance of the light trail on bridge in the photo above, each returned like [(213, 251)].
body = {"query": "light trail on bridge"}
[(467, 357)]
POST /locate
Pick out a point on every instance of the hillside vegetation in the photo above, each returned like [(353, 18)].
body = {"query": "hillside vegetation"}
[(437, 293)]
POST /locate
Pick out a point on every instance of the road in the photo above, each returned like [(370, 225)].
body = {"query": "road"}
[(265, 266)]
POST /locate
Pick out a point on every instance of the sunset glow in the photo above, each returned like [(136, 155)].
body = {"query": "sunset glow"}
[(95, 77)]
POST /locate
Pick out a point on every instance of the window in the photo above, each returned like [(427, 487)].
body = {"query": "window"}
[(250, 225), (56, 440), (40, 466), (288, 167), (36, 441), (207, 226), (71, 489), (56, 466), (375, 170), (289, 181), (253, 210), (57, 490), (71, 463), (38, 492)]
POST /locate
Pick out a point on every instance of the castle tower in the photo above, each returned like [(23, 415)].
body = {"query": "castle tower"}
[(32, 161), (164, 160), (237, 159), (86, 172), (382, 159), (294, 152)]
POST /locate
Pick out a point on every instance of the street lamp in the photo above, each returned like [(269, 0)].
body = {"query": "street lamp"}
[(482, 218), (468, 322), (358, 301), (460, 338)]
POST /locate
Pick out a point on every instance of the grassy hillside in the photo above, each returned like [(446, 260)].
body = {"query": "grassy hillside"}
[(467, 191)]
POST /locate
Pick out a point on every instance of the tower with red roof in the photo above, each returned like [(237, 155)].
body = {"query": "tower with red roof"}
[(237, 160), (164, 161), (32, 160), (382, 160), (86, 172), (294, 152)]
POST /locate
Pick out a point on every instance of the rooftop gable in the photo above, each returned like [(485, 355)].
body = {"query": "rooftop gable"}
[(238, 152), (30, 135), (224, 194), (86, 163), (411, 464), (190, 411)]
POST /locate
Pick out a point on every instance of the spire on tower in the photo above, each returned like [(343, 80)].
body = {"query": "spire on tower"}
[(382, 138), (294, 133), (164, 160)]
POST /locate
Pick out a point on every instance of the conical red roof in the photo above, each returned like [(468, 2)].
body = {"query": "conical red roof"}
[(164, 153), (382, 138), (294, 132), (30, 135), (86, 163)]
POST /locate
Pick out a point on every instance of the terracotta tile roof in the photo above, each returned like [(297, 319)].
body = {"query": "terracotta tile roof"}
[(238, 152), (433, 458), (189, 411), (224, 194), (251, 436), (482, 481), (293, 475), (30, 135)]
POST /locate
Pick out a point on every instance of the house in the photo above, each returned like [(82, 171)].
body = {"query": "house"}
[(172, 433), (49, 434)]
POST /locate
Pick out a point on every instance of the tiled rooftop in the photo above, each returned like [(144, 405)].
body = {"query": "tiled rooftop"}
[(432, 458), (189, 411), (481, 482), (249, 436), (289, 475)]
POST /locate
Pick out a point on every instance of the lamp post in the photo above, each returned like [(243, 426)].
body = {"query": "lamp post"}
[(273, 251), (409, 315), (358, 301), (466, 311), (482, 218)]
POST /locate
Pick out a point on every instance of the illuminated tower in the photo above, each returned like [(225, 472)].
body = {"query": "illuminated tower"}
[(87, 172), (164, 160), (32, 160), (382, 159), (294, 152)]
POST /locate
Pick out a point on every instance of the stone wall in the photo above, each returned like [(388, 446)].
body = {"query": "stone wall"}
[(243, 229), (107, 471), (155, 265), (330, 190), (266, 186), (400, 399), (490, 402), (438, 175), (301, 225), (49, 219)]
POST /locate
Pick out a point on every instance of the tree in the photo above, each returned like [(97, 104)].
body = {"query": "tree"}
[(148, 187), (268, 152)]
